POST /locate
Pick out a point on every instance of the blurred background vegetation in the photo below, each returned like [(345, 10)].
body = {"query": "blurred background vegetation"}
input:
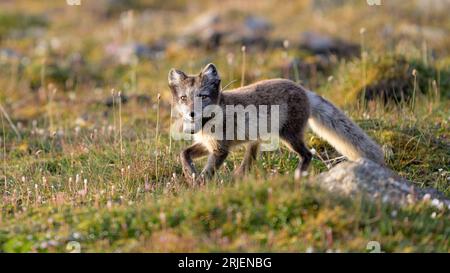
[(85, 113)]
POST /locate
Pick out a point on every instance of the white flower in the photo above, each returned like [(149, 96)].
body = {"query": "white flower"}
[(426, 197)]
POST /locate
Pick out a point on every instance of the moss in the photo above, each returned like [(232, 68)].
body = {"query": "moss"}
[(10, 22), (421, 158), (388, 78), (136, 198), (297, 217)]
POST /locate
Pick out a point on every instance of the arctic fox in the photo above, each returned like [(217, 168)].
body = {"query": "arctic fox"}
[(298, 107)]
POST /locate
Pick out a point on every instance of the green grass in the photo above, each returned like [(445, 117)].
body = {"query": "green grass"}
[(10, 22), (276, 215), (124, 206)]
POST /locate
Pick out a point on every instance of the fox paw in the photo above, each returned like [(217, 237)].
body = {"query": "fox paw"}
[(299, 174), (238, 173)]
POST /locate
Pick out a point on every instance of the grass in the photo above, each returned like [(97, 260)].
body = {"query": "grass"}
[(251, 216), (74, 168)]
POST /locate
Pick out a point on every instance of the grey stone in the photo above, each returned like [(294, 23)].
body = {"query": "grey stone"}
[(376, 182), (214, 29), (318, 43)]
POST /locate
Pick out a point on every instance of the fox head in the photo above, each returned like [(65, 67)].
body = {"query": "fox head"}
[(193, 93)]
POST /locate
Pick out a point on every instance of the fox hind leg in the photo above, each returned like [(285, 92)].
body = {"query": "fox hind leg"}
[(296, 143), (251, 151)]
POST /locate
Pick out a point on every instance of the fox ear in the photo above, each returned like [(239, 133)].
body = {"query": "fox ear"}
[(175, 77), (210, 71), (211, 79)]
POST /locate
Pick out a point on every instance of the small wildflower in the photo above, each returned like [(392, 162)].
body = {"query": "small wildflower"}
[(426, 197), (76, 235), (162, 217), (230, 58)]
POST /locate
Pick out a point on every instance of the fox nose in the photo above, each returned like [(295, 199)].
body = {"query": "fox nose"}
[(192, 114)]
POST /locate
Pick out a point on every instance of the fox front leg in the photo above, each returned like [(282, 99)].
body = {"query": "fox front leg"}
[(215, 160), (251, 152), (187, 155)]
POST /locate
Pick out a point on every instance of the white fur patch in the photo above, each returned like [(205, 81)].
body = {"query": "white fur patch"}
[(297, 174), (207, 140), (334, 139)]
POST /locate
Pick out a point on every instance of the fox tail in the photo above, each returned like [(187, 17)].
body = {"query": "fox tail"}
[(331, 124)]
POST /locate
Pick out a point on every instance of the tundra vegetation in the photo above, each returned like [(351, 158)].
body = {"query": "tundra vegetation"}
[(86, 159)]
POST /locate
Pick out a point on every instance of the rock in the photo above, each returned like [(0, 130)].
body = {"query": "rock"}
[(125, 53), (8, 54), (376, 182), (141, 99), (110, 101), (202, 23), (155, 50), (306, 69), (253, 32), (213, 29), (396, 90), (322, 44), (257, 25)]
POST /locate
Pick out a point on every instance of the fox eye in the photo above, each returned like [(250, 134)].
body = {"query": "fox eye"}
[(183, 98)]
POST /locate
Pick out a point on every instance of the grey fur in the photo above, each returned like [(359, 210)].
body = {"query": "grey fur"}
[(344, 135), (298, 108)]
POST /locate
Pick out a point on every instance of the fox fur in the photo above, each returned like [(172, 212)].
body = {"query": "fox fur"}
[(299, 107)]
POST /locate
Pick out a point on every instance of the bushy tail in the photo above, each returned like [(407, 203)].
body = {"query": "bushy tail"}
[(346, 137)]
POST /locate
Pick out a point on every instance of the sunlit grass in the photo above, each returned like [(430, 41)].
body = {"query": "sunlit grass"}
[(76, 167)]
